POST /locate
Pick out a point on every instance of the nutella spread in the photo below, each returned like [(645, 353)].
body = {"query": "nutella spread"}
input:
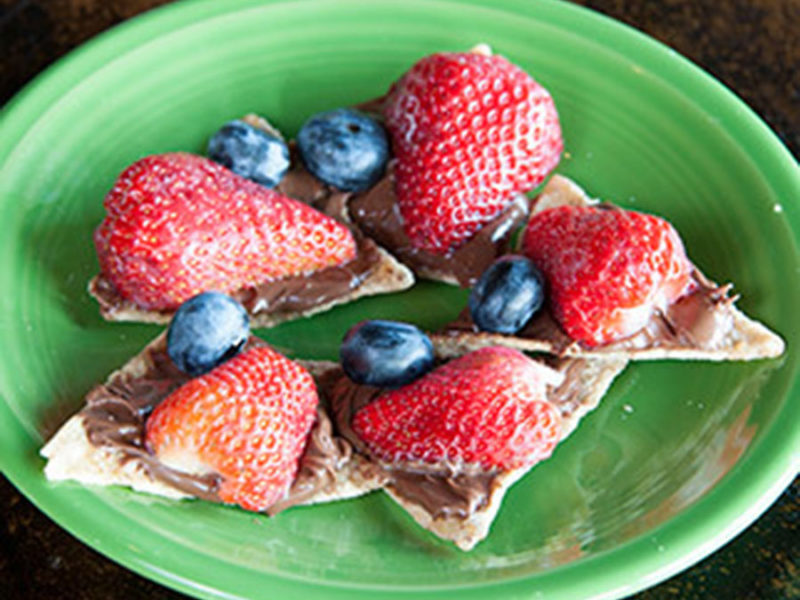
[(115, 415), (300, 293), (376, 213), (296, 293), (439, 489), (442, 490), (699, 319)]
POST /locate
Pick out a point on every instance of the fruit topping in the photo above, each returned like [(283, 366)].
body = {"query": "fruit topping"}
[(250, 152), (507, 295), (607, 269), (385, 353), (179, 224), (205, 331), (469, 132), (247, 421), (486, 408), (344, 148)]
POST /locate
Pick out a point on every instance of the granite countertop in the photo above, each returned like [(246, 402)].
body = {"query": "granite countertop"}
[(751, 46)]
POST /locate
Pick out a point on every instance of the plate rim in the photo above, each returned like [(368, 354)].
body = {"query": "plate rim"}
[(726, 516)]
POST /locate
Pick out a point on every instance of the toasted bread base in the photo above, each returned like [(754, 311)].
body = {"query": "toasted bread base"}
[(594, 379), (745, 339)]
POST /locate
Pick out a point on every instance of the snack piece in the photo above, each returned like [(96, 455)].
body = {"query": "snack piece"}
[(105, 444), (179, 224), (620, 285), (485, 203), (470, 131), (485, 410), (451, 443)]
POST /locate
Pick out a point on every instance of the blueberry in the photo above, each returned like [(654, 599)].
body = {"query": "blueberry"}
[(507, 295), (250, 152), (344, 148), (385, 353), (207, 330)]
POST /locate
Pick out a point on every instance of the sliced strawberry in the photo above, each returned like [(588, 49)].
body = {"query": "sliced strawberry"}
[(486, 408), (607, 270), (470, 132), (247, 420), (179, 224)]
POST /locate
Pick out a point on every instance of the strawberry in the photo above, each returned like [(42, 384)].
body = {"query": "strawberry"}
[(486, 408), (246, 420), (607, 269), (179, 224), (470, 132)]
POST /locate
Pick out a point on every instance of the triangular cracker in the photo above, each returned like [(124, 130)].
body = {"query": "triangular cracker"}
[(375, 213), (586, 382), (728, 334), (385, 275), (72, 455)]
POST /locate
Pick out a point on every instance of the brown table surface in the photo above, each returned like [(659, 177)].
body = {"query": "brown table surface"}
[(752, 46)]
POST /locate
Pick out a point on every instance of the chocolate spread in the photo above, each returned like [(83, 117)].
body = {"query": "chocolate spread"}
[(376, 213), (115, 415), (293, 294), (700, 319), (300, 293), (441, 490)]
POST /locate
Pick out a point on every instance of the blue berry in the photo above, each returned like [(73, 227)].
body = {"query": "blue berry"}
[(207, 330), (507, 295), (344, 148), (385, 353), (250, 152)]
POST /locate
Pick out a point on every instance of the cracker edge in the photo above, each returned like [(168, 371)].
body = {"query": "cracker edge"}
[(747, 340), (595, 380)]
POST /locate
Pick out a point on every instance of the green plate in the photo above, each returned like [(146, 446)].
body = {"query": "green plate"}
[(678, 459)]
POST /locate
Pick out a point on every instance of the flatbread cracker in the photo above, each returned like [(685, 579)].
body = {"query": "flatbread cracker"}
[(587, 383), (71, 455), (734, 337)]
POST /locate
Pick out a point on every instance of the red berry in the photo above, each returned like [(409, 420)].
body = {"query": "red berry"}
[(470, 132), (607, 270), (485, 408), (179, 224), (246, 420)]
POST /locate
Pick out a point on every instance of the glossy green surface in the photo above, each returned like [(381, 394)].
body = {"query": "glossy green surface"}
[(679, 457)]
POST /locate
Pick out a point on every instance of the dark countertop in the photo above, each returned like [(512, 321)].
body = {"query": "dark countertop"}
[(752, 46)]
